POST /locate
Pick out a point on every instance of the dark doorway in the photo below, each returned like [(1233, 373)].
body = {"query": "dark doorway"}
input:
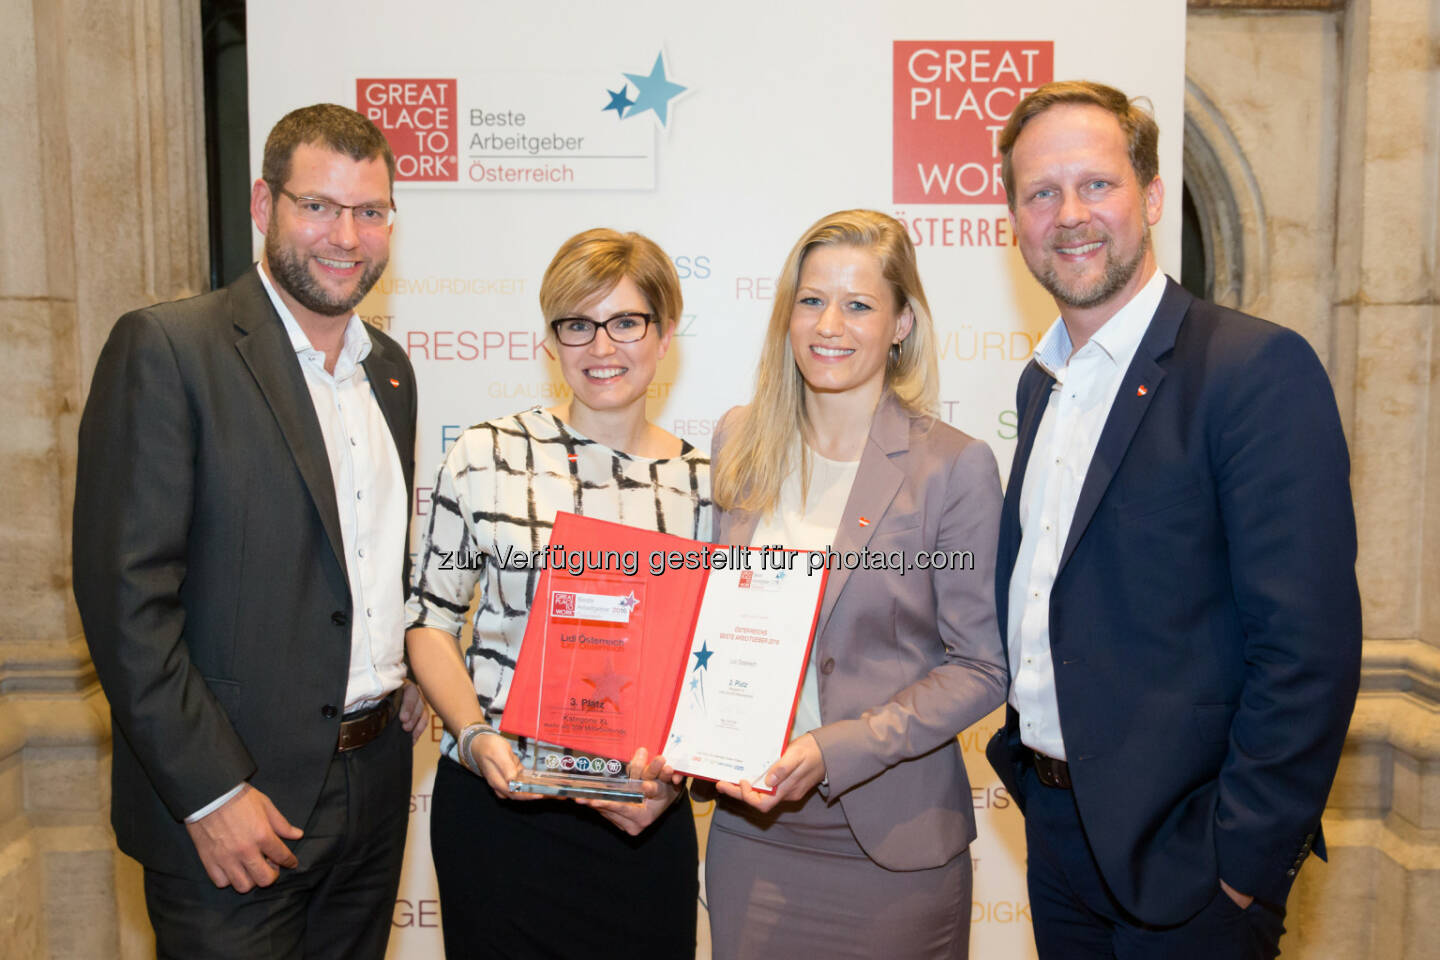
[(1194, 258), (227, 138)]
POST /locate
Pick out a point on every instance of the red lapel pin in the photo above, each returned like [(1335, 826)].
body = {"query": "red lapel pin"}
[(394, 382), (1141, 391), (572, 457), (864, 522)]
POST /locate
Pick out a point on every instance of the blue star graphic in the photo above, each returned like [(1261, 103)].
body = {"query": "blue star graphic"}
[(702, 656), (619, 100), (694, 683), (654, 91)]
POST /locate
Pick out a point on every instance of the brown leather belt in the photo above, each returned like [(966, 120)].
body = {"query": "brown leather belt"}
[(360, 728), (1052, 772)]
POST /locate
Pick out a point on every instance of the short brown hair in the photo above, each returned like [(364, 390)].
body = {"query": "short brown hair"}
[(593, 261), (1135, 121), (327, 125)]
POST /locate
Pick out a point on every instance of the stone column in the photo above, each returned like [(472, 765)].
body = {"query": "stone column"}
[(1348, 258), (102, 210), (1382, 893)]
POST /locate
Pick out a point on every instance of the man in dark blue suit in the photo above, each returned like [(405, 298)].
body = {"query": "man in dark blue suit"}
[(1176, 571)]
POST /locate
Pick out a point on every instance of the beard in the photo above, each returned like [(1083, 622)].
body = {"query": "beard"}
[(289, 270), (1080, 295)]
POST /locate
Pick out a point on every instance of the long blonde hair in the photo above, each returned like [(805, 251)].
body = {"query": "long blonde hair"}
[(764, 447)]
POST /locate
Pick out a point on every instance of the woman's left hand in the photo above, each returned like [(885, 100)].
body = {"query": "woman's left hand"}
[(661, 785), (795, 774)]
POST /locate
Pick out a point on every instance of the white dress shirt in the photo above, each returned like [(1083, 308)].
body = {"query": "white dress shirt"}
[(370, 496), (1085, 385)]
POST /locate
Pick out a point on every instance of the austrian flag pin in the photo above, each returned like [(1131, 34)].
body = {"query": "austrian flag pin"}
[(1141, 391), (864, 522), (394, 383)]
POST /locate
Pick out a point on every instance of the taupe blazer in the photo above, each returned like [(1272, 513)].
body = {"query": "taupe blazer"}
[(906, 659)]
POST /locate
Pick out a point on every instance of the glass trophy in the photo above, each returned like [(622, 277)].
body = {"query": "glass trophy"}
[(556, 778), (588, 691)]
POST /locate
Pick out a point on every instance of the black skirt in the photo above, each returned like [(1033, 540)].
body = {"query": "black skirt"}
[(550, 878)]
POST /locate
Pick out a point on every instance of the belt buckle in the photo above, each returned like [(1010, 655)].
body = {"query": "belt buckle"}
[(1051, 772), (361, 730)]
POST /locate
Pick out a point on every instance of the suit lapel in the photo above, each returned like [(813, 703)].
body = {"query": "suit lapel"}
[(877, 479), (385, 381), (1131, 404), (1032, 408), (1039, 396), (388, 381), (268, 353)]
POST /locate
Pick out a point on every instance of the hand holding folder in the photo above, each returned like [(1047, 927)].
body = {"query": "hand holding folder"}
[(638, 639)]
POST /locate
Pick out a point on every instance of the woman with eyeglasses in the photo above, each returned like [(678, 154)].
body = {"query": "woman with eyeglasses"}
[(860, 847), (519, 876)]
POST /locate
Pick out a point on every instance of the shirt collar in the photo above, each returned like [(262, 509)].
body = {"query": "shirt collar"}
[(1118, 338), (354, 348)]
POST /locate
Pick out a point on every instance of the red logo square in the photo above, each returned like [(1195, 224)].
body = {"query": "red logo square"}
[(418, 118), (562, 605), (746, 577), (951, 100)]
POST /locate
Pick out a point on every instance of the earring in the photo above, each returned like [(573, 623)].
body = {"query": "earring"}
[(896, 350)]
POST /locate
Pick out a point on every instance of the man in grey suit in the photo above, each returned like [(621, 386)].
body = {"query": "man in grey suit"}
[(241, 507)]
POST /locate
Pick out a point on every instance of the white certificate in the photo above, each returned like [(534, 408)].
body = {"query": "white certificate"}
[(747, 658)]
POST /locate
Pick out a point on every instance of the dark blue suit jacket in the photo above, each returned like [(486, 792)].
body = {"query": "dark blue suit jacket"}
[(1205, 620)]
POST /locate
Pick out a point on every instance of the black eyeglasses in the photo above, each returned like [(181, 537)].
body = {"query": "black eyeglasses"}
[(621, 328), (372, 216)]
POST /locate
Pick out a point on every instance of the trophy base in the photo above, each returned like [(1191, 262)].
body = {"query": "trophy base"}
[(569, 785)]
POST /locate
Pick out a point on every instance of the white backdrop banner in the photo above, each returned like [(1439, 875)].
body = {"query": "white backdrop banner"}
[(722, 133)]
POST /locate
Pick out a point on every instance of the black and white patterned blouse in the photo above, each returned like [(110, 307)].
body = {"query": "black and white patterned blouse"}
[(497, 493)]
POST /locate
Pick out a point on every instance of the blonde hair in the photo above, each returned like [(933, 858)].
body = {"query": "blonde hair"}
[(763, 447), (593, 261)]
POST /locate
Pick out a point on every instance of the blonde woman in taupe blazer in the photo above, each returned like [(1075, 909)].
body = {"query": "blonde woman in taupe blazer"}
[(861, 851)]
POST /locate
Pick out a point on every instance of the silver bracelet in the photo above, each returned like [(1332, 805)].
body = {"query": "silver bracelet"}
[(466, 737)]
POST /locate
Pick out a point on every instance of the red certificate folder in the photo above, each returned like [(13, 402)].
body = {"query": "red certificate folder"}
[(608, 641)]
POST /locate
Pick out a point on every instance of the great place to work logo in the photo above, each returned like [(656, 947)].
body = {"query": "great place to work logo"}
[(525, 130), (951, 100)]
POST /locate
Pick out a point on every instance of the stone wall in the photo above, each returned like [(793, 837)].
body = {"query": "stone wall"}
[(1311, 130), (1322, 126), (102, 210)]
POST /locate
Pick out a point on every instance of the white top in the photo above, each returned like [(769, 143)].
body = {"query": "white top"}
[(809, 523), (496, 495), (1079, 404)]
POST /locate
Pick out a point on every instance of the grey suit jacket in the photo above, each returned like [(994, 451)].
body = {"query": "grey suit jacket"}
[(209, 569), (908, 659)]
